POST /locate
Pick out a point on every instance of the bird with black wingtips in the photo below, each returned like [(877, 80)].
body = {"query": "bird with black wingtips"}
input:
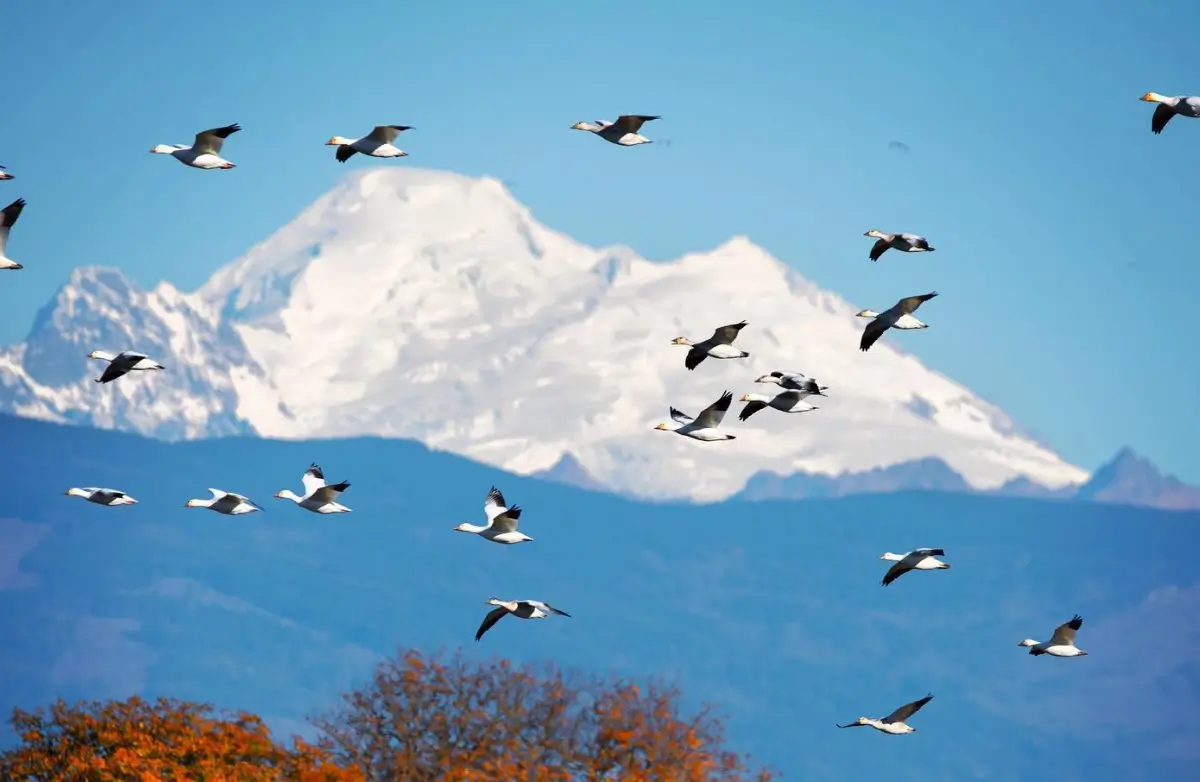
[(623, 132), (8, 218), (1179, 105), (905, 243), (225, 502), (502, 521), (794, 381), (522, 609), (205, 151), (4, 174), (377, 143), (109, 497), (894, 723), (703, 427), (917, 559), (122, 363), (886, 320), (784, 402), (1061, 643), (719, 345), (318, 497)]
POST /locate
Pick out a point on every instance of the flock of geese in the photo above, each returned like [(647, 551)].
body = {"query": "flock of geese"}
[(502, 519)]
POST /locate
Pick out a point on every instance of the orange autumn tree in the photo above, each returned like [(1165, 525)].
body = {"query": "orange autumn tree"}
[(437, 719), (163, 741)]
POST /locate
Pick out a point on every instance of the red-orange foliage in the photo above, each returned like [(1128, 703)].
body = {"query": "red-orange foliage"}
[(425, 719), (164, 741)]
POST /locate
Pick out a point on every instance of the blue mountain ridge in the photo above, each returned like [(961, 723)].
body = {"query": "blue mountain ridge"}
[(771, 610)]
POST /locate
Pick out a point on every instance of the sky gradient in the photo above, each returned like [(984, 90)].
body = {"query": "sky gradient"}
[(1062, 224)]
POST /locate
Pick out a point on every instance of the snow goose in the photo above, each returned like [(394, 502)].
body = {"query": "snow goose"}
[(319, 497), (917, 559), (122, 363), (4, 174), (502, 521), (624, 131), (903, 322), (225, 502), (522, 609), (1183, 105), (109, 497), (905, 243), (794, 381), (377, 143), (8, 218), (784, 401), (704, 426), (887, 320), (893, 723), (205, 151), (1061, 644), (719, 345)]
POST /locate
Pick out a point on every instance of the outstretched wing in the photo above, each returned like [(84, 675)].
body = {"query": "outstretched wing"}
[(750, 409), (209, 142), (313, 478), (872, 333), (545, 607), (632, 123), (8, 218), (929, 552), (1064, 634), (682, 418), (907, 710), (345, 152), (694, 357), (386, 134), (326, 494), (725, 335), (711, 416), (1162, 115), (494, 504), (879, 248), (897, 570), (495, 615), (113, 371)]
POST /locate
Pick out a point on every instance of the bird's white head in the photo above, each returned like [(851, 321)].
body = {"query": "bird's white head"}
[(337, 141), (745, 397), (866, 314), (464, 527), (97, 354), (1028, 642), (682, 341), (862, 721), (494, 601), (194, 504), (1152, 97), (662, 427), (161, 149), (75, 493), (875, 233), (584, 126), (890, 557)]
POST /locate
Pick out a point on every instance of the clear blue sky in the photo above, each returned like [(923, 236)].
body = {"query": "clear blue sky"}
[(1064, 227)]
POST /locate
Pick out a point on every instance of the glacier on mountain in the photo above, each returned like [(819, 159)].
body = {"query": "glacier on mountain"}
[(429, 305)]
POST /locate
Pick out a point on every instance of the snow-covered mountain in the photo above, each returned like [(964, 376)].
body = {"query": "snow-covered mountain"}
[(423, 304)]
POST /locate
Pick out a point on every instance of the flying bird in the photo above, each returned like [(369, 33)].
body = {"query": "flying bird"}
[(917, 559), (4, 174), (894, 722), (900, 145), (225, 502), (122, 363), (318, 497), (1181, 105), (784, 401), (904, 322), (8, 218), (1061, 644), (205, 151), (502, 521), (704, 426), (377, 143), (624, 131), (794, 381), (888, 319), (905, 243), (522, 609), (109, 497), (719, 345)]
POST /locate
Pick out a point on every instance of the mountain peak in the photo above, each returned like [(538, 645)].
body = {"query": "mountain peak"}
[(1131, 479)]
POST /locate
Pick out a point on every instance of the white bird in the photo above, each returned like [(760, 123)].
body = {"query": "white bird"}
[(624, 131), (109, 497), (784, 401), (888, 319), (719, 345), (225, 502), (1061, 644), (905, 243), (522, 609), (205, 151), (502, 521), (377, 143), (894, 722), (903, 322), (4, 174), (122, 363), (8, 218), (917, 559), (704, 426), (1181, 105), (794, 381), (319, 497)]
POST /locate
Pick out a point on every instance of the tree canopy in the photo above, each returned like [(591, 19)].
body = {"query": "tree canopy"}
[(436, 719)]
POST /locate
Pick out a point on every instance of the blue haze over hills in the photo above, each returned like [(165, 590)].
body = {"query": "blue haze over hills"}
[(770, 609)]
